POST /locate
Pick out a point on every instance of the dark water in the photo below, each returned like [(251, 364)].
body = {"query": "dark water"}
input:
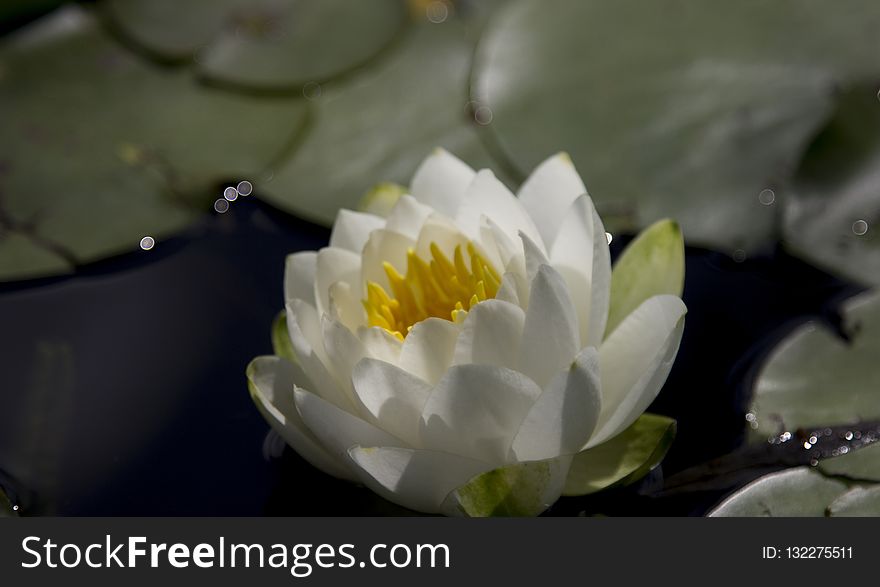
[(123, 388)]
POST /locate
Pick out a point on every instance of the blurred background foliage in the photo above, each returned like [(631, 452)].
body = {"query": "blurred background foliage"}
[(748, 130), (754, 124)]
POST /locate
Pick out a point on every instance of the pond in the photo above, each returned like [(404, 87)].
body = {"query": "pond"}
[(124, 390), (136, 283)]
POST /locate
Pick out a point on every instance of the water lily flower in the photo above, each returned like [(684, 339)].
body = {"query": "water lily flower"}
[(463, 354)]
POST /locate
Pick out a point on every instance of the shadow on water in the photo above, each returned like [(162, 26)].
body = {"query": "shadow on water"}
[(124, 388)]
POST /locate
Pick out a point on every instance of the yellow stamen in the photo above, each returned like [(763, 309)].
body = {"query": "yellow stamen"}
[(438, 287)]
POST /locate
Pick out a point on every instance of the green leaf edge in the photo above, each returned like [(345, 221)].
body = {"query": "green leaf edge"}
[(281, 344), (847, 466), (515, 490), (654, 459), (659, 247), (853, 499), (845, 486)]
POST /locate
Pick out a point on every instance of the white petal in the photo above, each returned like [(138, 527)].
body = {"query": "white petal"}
[(600, 287), (486, 196), (475, 411), (491, 335), (272, 381), (345, 305), (343, 350), (440, 182), (408, 216), (415, 479), (304, 326), (581, 255), (428, 349), (514, 281), (507, 292), (299, 276), (333, 265), (565, 414), (442, 232), (550, 338), (635, 361), (514, 289), (393, 397), (548, 193), (384, 246), (306, 336), (533, 255), (336, 429), (490, 232), (351, 229), (380, 344)]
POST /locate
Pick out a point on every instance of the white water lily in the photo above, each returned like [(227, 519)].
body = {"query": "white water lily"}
[(459, 354)]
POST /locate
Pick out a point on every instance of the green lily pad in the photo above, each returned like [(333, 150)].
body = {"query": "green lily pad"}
[(857, 502), (815, 378), (175, 31), (624, 459), (522, 489), (22, 258), (798, 492), (678, 109), (278, 45), (105, 149), (860, 465), (832, 217), (378, 125), (651, 265)]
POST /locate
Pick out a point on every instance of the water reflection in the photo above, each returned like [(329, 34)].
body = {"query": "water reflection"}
[(860, 228), (826, 442), (244, 188)]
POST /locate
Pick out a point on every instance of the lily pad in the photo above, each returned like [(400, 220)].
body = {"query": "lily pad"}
[(798, 492), (280, 44), (105, 149), (859, 465), (378, 125), (832, 217), (21, 257), (624, 459), (815, 378), (857, 502), (673, 108), (175, 31)]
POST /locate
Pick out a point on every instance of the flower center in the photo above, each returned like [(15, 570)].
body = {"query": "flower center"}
[(437, 288)]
